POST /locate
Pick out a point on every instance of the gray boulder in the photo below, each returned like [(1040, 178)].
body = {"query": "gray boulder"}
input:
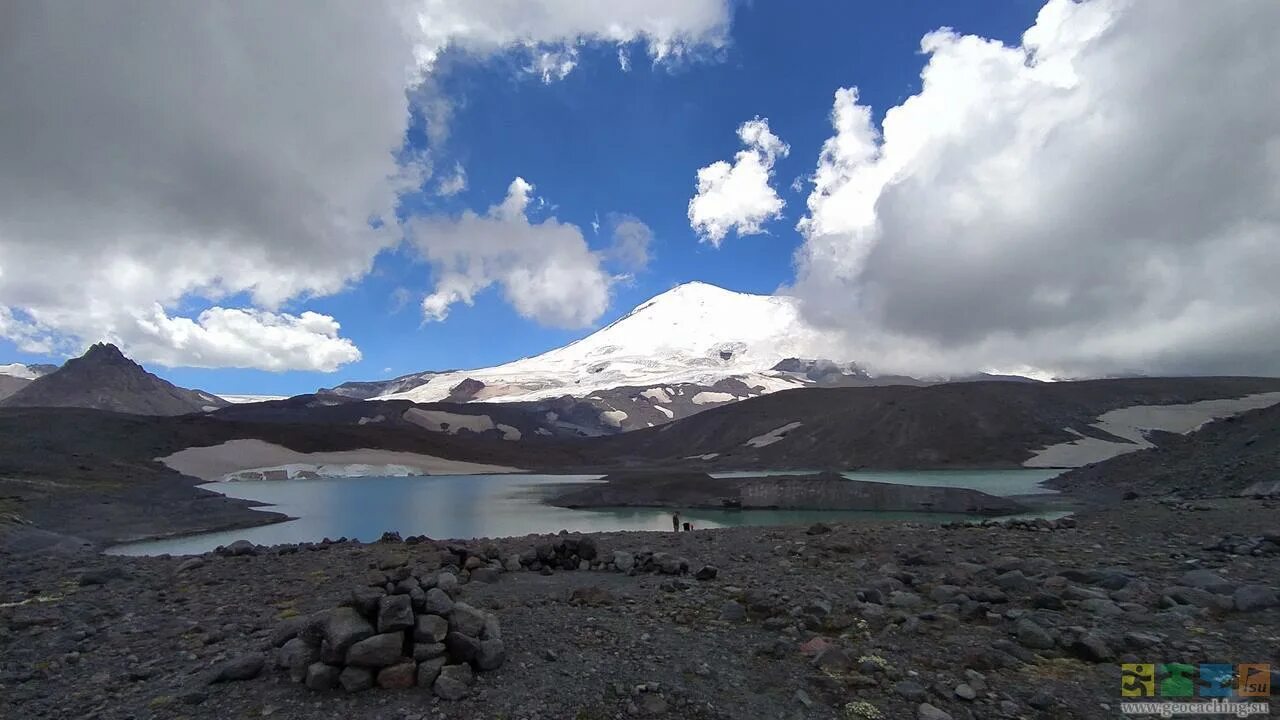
[(321, 676), (491, 656), (377, 651), (454, 682), (438, 602), (929, 712), (462, 647), (428, 651), (1248, 598), (448, 582), (1206, 579), (466, 619), (344, 627), (395, 612), (429, 670), (430, 629), (355, 679), (484, 575), (400, 676), (296, 656)]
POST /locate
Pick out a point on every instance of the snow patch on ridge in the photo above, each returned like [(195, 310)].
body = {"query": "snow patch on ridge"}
[(706, 397), (1134, 423), (451, 423), (613, 417), (657, 395), (772, 436)]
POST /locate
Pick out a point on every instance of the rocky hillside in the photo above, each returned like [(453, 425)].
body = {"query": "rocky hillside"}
[(980, 424), (104, 379), (1236, 455)]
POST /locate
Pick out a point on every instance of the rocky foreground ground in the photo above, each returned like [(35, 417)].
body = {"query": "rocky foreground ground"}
[(883, 621)]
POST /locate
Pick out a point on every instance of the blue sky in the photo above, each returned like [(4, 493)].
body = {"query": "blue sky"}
[(587, 143), (1056, 201)]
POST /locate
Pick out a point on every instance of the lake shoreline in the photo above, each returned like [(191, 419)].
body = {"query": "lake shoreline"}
[(511, 505)]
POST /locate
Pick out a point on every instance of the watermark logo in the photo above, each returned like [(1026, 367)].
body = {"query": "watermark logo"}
[(1206, 689)]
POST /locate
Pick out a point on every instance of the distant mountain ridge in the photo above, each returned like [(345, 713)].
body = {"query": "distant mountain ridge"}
[(15, 376), (104, 379), (686, 350)]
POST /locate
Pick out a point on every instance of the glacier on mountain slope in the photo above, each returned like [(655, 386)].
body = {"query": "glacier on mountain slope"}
[(693, 333)]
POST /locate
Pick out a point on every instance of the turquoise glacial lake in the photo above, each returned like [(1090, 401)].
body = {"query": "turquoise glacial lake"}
[(477, 506)]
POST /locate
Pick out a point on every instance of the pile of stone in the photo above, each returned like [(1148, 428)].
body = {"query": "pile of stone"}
[(1024, 524), (563, 552), (406, 633), (1248, 545)]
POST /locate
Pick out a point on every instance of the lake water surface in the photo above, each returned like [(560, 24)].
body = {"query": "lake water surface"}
[(473, 506)]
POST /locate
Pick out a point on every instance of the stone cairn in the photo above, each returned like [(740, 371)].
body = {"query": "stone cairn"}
[(401, 633), (407, 627)]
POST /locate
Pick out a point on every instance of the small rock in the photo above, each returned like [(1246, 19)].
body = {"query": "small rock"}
[(244, 667), (733, 611), (929, 712), (965, 692), (623, 561), (1033, 636), (707, 572), (484, 575), (491, 656), (909, 689), (818, 529), (240, 547), (1092, 648)]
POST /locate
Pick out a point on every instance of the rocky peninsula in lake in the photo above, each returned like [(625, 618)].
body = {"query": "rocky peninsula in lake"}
[(818, 491)]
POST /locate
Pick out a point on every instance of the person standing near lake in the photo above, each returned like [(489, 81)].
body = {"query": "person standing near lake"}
[(675, 522)]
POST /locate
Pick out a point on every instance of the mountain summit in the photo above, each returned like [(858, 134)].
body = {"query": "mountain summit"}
[(104, 379), (695, 333)]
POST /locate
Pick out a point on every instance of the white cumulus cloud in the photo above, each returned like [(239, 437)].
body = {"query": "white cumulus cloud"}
[(1103, 197), (545, 269), (230, 152), (739, 196)]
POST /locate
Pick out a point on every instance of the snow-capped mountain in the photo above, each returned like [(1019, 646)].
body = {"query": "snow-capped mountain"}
[(694, 334), (15, 376)]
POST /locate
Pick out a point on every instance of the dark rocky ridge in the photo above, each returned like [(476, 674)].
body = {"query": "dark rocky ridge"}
[(1225, 457), (958, 425), (824, 491), (104, 379)]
